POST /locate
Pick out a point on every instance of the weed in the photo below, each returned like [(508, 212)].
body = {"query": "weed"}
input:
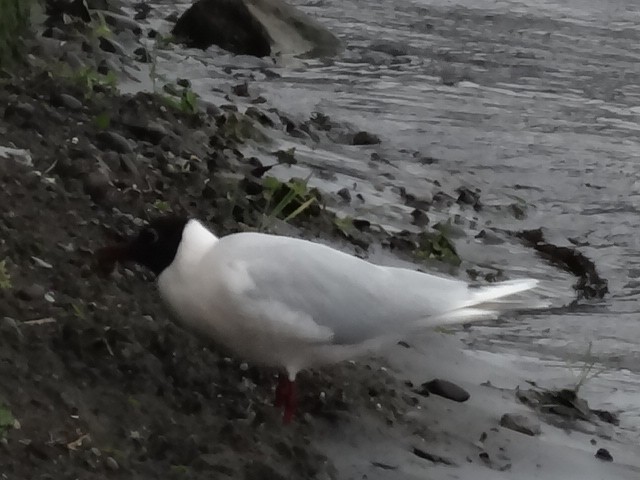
[(5, 277), (289, 199), (7, 420), (588, 370)]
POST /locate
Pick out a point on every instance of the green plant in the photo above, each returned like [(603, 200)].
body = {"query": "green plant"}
[(88, 78), (14, 22), (5, 277), (289, 199), (162, 206), (435, 245), (7, 420)]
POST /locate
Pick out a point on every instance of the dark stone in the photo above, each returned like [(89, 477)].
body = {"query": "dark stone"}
[(65, 100), (114, 141), (446, 389), (111, 46), (365, 138), (604, 455), (225, 23), (142, 55), (96, 185), (431, 457), (241, 90), (521, 423), (420, 218), (121, 22), (469, 197), (151, 132), (345, 194), (183, 82), (32, 292), (21, 109)]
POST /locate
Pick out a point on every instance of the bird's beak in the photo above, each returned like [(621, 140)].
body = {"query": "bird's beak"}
[(107, 257)]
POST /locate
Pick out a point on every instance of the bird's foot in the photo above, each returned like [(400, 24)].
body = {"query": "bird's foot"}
[(286, 398)]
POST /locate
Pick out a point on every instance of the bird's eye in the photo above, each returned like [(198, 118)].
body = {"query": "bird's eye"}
[(150, 235)]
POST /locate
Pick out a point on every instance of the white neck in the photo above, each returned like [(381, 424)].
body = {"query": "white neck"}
[(196, 241)]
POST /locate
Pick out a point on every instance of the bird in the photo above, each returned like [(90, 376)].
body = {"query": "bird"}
[(295, 304)]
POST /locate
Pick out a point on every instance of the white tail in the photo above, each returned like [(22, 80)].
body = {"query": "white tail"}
[(487, 302)]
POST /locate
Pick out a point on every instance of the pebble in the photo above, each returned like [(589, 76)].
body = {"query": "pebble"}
[(446, 389), (114, 141), (111, 46), (96, 185), (604, 455), (31, 292), (345, 194), (111, 464), (66, 100), (521, 423), (365, 138)]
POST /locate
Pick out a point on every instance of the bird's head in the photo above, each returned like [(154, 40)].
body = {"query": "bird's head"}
[(155, 246)]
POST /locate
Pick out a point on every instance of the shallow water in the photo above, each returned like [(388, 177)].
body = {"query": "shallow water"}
[(544, 109)]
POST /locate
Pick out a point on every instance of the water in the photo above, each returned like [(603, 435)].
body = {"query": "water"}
[(544, 109)]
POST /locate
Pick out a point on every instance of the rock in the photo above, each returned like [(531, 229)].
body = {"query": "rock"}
[(395, 49), (604, 455), (142, 55), (521, 423), (365, 138), (469, 197), (96, 185), (114, 141), (21, 109), (151, 132), (183, 82), (111, 46), (65, 100), (420, 218), (345, 194), (111, 464), (418, 452), (32, 292), (121, 22), (226, 23), (241, 90), (446, 389)]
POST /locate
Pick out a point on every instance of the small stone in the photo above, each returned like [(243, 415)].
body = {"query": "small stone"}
[(365, 138), (241, 90), (67, 101), (420, 218), (114, 141), (345, 194), (604, 455), (96, 185), (446, 389), (521, 423), (31, 292), (142, 55), (183, 82), (107, 45), (111, 464)]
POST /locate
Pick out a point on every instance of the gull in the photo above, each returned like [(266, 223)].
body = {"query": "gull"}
[(295, 304)]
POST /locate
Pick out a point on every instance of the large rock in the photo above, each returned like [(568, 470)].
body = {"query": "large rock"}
[(255, 27), (226, 23)]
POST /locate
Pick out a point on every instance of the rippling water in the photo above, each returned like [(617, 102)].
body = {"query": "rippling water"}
[(535, 102)]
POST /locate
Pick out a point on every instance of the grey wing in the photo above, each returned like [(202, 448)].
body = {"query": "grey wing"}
[(321, 294)]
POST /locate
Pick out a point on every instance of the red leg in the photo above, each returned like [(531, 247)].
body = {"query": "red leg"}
[(286, 397), (290, 403)]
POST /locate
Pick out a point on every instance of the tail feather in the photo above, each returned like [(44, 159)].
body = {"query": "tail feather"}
[(488, 302)]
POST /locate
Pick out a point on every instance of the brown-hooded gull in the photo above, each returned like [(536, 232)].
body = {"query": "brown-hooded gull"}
[(296, 304)]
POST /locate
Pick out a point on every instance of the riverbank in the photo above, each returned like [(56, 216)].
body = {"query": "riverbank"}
[(97, 380)]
